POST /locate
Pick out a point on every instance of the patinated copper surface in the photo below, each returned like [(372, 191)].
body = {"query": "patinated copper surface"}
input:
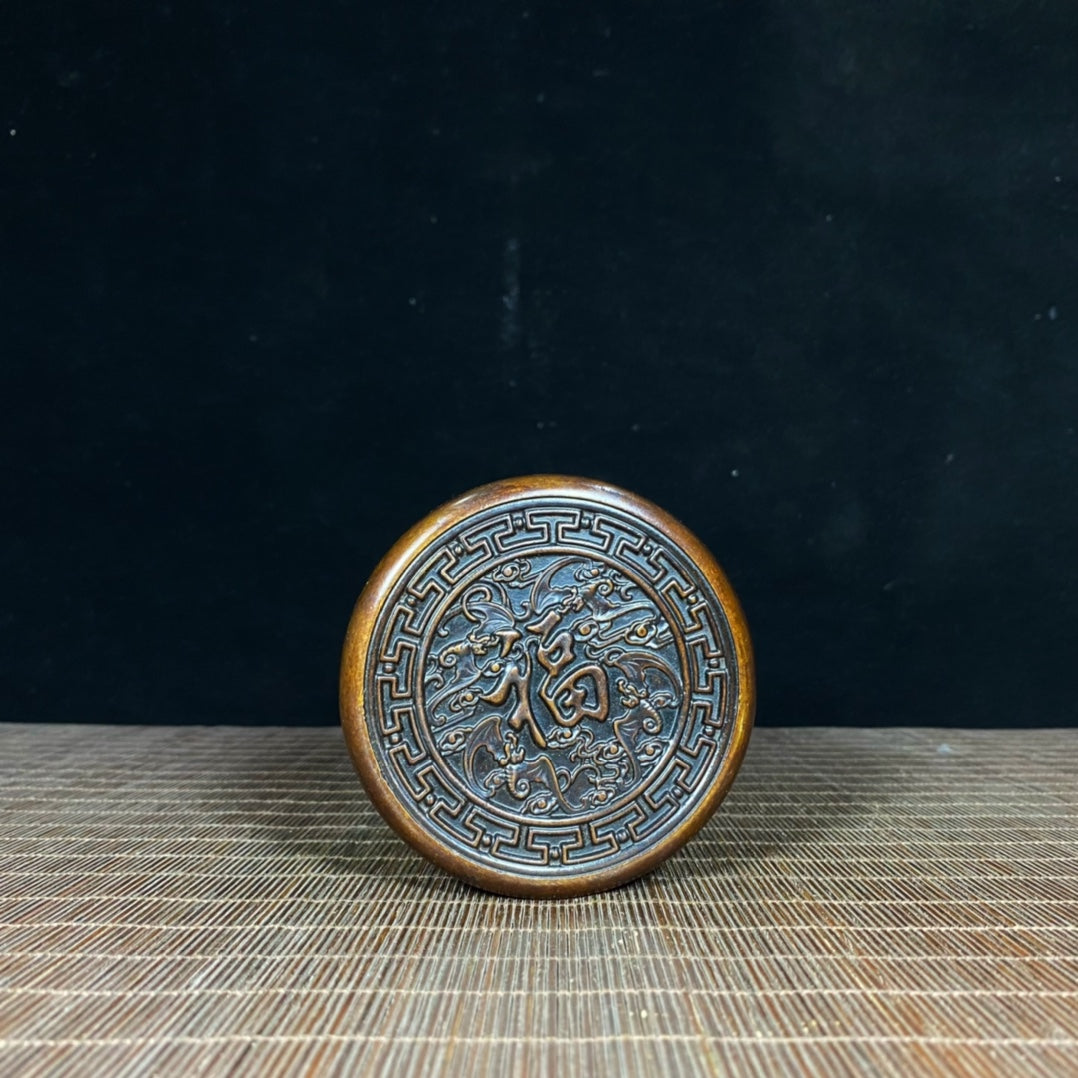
[(547, 686)]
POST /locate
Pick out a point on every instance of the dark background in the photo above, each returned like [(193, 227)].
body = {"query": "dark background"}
[(278, 278)]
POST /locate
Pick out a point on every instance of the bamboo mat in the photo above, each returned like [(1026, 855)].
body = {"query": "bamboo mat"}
[(223, 900)]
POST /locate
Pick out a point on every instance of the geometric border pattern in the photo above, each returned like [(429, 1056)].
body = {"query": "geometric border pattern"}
[(398, 729)]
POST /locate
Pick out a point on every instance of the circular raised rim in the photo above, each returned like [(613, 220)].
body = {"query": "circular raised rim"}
[(353, 682)]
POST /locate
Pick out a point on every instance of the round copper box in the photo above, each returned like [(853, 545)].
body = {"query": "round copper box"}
[(547, 686)]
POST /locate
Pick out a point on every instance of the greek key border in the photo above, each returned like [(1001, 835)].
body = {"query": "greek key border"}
[(393, 672)]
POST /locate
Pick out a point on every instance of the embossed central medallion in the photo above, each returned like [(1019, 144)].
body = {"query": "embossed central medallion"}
[(552, 685)]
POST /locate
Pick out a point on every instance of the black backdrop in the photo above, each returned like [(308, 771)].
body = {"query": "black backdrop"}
[(277, 278)]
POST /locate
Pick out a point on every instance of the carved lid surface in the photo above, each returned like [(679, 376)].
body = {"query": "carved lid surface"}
[(547, 686)]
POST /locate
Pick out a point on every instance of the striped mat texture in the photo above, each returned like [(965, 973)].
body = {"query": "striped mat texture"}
[(221, 900)]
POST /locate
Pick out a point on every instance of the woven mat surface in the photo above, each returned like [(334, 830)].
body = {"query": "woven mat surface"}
[(222, 900)]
